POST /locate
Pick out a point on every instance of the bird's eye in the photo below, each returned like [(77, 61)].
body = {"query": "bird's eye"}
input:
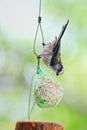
[(60, 69)]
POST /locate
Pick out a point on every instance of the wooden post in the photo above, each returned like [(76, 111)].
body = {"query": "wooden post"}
[(36, 125)]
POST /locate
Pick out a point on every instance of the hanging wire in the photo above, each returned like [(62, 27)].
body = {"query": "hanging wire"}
[(30, 108), (42, 35), (38, 26), (30, 95), (34, 49), (39, 7)]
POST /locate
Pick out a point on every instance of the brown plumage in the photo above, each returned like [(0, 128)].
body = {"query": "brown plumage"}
[(52, 54)]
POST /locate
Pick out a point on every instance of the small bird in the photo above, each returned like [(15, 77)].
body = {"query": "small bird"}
[(52, 54)]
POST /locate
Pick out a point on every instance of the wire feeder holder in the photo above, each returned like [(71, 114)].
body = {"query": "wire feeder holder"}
[(37, 29), (38, 56)]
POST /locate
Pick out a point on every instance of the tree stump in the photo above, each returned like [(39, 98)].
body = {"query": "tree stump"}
[(36, 125)]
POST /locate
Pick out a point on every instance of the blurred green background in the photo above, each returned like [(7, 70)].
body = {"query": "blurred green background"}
[(18, 21)]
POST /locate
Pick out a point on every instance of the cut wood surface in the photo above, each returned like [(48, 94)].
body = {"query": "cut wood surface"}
[(36, 125)]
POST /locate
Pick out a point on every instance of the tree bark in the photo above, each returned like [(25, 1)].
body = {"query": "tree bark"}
[(36, 125)]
